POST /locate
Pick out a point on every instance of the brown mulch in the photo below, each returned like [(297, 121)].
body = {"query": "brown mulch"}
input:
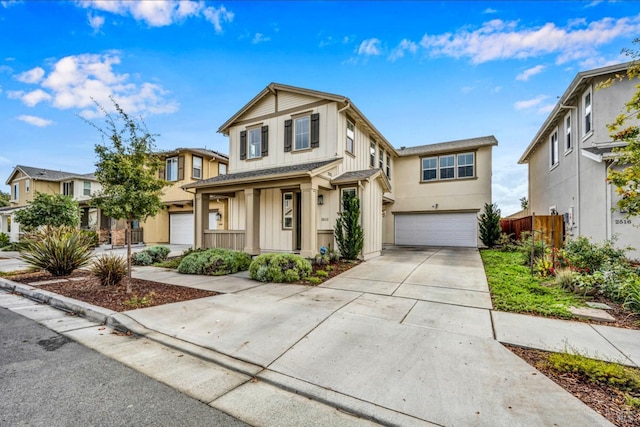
[(606, 400), (85, 287)]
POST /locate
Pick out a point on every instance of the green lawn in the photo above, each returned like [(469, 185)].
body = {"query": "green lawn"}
[(514, 289)]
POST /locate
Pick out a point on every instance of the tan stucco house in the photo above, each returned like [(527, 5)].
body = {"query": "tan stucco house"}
[(294, 152), (569, 158)]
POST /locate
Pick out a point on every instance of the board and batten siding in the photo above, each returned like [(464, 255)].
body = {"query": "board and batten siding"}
[(266, 105), (371, 198), (272, 237)]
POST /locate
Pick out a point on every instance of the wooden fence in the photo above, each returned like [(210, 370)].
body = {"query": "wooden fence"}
[(549, 227)]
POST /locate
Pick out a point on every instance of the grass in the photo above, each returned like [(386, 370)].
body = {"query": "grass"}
[(171, 263), (514, 289), (597, 371)]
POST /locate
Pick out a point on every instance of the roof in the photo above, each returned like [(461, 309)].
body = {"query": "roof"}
[(361, 175), (600, 153), (296, 169), (49, 174), (458, 145), (202, 151), (578, 82)]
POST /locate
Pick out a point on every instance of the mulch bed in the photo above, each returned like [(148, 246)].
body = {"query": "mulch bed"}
[(606, 400)]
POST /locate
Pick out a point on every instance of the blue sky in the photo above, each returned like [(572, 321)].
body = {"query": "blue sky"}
[(422, 72)]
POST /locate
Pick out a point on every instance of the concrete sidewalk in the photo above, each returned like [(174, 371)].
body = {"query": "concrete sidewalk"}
[(403, 339)]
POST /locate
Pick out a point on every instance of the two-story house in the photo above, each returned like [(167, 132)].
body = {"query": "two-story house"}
[(182, 166), (294, 153), (25, 181), (570, 156)]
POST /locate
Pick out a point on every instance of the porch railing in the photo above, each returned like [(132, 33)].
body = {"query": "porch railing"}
[(227, 239)]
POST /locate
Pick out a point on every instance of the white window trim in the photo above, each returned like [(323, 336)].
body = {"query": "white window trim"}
[(473, 164), (553, 146), (568, 132), (220, 167), (342, 191), (168, 167), (295, 125), (586, 111), (352, 138), (284, 208), (15, 192), (373, 148), (84, 188), (193, 166), (456, 176), (388, 166), (259, 150), (422, 169), (27, 186)]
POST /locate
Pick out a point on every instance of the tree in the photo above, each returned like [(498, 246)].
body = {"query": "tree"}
[(127, 169), (627, 177), (348, 232), (524, 203), (490, 229), (54, 210), (4, 199)]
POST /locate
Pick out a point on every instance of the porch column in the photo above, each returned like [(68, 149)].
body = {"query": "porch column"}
[(252, 214), (309, 225), (201, 218)]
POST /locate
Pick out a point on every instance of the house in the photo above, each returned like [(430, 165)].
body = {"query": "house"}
[(25, 181), (570, 155), (182, 166), (295, 152)]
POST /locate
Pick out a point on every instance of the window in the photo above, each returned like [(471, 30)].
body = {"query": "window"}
[(27, 185), (67, 188), (351, 135), (567, 132), (287, 210), (197, 167), (447, 167), (16, 191), (388, 166), (171, 170), (381, 159), (465, 165), (86, 188), (222, 168), (372, 154), (553, 147), (301, 132), (429, 169), (587, 113), (346, 192), (255, 143)]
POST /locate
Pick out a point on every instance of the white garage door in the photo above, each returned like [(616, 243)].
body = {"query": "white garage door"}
[(181, 227), (452, 229)]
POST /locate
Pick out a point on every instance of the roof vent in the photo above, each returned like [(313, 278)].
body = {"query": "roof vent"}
[(402, 148)]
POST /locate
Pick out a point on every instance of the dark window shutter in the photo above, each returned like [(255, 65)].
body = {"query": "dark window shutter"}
[(288, 134), (243, 145), (315, 130), (265, 141), (180, 168)]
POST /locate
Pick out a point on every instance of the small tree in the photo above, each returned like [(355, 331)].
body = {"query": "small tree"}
[(524, 203), (127, 168), (48, 209), (490, 229), (348, 232)]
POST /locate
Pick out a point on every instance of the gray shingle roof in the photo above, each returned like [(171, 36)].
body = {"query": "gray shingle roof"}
[(239, 176), (201, 151), (462, 144), (53, 175), (354, 176)]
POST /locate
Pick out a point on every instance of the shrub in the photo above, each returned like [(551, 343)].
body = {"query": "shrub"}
[(110, 269), (348, 232), (59, 250), (214, 262), (141, 258), (322, 273), (314, 280), (565, 279), (279, 268), (587, 256), (158, 253), (489, 224), (321, 260), (597, 371), (525, 248), (4, 240), (92, 235)]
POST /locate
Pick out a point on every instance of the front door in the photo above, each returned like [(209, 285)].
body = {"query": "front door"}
[(298, 224)]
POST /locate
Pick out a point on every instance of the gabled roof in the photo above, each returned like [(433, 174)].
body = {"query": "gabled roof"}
[(48, 174), (201, 151), (442, 147), (578, 83), (263, 174), (353, 177)]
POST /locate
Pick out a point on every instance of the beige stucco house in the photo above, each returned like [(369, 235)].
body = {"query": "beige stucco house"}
[(294, 152), (182, 166), (570, 155)]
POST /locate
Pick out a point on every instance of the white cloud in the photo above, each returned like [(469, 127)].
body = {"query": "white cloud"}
[(35, 121), (489, 11), (529, 103), (96, 22), (35, 97), (546, 109), (160, 13), (8, 3), (466, 89), (34, 75), (524, 76), (369, 47), (404, 46), (259, 38), (497, 39)]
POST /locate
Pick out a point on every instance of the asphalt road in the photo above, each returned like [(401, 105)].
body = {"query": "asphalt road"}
[(48, 380)]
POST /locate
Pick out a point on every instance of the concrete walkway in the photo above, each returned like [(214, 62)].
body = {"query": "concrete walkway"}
[(407, 338)]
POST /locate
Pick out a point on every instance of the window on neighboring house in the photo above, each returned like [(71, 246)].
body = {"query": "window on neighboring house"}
[(447, 167), (567, 132), (465, 165), (302, 133), (345, 192), (197, 167), (388, 166), (171, 169), (16, 191), (429, 168), (351, 135), (553, 147), (287, 210), (27, 186), (381, 159), (372, 154), (86, 188), (67, 188), (588, 118), (255, 143), (222, 168)]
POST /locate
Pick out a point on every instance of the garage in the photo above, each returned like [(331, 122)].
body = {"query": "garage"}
[(181, 227), (450, 229)]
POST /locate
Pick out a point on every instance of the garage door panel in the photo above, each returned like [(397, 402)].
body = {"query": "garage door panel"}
[(181, 229), (454, 229)]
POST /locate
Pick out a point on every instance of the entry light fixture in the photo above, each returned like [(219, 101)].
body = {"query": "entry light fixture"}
[(320, 199), (218, 216)]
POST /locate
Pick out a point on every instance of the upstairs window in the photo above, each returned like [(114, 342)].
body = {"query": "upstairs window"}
[(67, 188), (567, 133), (302, 133), (587, 113), (197, 167), (466, 165), (553, 147), (372, 154), (171, 169), (255, 143), (86, 188), (27, 185), (388, 166), (429, 168), (351, 135), (222, 168), (15, 193), (381, 159), (447, 167)]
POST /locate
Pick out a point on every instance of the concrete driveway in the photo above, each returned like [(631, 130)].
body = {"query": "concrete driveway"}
[(406, 338)]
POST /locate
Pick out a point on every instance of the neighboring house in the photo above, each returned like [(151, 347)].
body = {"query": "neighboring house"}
[(182, 166), (295, 152), (25, 181), (569, 157)]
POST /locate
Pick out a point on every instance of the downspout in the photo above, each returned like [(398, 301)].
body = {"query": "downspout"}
[(347, 106), (609, 204)]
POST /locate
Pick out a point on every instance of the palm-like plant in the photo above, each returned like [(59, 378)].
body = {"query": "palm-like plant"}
[(58, 250)]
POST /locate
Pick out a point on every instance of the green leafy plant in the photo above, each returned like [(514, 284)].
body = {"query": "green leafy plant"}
[(489, 224), (58, 250), (158, 253), (525, 248), (214, 262), (4, 240), (597, 371), (141, 258), (52, 210), (110, 269), (348, 232), (584, 255), (543, 267), (314, 280), (279, 268), (321, 273), (565, 279), (138, 302)]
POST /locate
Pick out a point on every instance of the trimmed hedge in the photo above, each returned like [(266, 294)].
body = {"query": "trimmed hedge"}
[(279, 268), (150, 255), (214, 262)]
